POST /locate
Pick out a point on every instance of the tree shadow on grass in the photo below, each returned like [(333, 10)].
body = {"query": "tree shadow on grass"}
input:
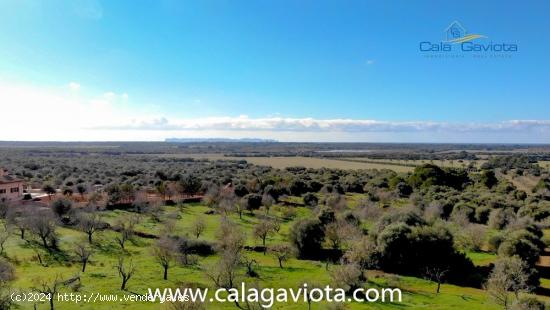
[(544, 291), (46, 257), (108, 248)]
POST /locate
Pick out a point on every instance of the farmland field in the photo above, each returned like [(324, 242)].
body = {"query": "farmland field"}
[(280, 162)]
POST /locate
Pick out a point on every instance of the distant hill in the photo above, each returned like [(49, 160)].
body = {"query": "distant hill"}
[(191, 140)]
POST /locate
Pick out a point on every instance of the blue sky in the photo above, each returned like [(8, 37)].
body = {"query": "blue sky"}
[(154, 67)]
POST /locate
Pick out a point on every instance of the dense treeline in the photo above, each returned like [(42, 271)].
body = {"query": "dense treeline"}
[(406, 151)]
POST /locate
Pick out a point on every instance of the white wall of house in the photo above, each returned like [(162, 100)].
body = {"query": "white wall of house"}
[(11, 191)]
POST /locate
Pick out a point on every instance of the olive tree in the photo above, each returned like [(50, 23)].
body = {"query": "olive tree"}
[(83, 253), (125, 227), (347, 276), (125, 271), (89, 223), (164, 252), (199, 226), (282, 252), (262, 230), (510, 275), (43, 225), (230, 246)]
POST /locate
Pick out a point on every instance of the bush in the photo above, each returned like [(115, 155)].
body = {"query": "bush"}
[(288, 213), (326, 216), (463, 212), (393, 243), (61, 206), (403, 189), (297, 187), (408, 217), (310, 200), (523, 244), (253, 202), (499, 218), (241, 190), (7, 271), (347, 277), (413, 250), (307, 236), (543, 184), (482, 215), (472, 237), (495, 241), (528, 303), (429, 175), (488, 178)]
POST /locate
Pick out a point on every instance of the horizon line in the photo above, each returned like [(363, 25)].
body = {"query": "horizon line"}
[(271, 142)]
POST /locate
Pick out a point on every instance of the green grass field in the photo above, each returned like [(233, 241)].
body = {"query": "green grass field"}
[(281, 162), (412, 163), (101, 275), (354, 163)]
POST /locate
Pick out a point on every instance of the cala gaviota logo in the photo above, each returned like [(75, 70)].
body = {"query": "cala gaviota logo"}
[(457, 34), (458, 39)]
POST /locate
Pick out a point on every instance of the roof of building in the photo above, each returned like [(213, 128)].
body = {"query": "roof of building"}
[(6, 179)]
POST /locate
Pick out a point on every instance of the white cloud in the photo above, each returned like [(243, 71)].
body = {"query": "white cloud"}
[(370, 62), (244, 122), (112, 96), (74, 86), (32, 113)]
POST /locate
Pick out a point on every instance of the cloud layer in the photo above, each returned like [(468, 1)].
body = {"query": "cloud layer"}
[(327, 125), (69, 114)]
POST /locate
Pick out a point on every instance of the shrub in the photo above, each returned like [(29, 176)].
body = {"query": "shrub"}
[(523, 244), (288, 213), (413, 250), (543, 184), (61, 207), (393, 243), (429, 175), (403, 189), (499, 218), (363, 253), (409, 217), (298, 187), (347, 277), (253, 202), (326, 216), (488, 178), (528, 303), (240, 190), (472, 237), (495, 241), (310, 200), (463, 213), (7, 271), (307, 236), (482, 215)]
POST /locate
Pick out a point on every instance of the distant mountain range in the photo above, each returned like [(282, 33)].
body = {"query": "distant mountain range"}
[(191, 140)]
